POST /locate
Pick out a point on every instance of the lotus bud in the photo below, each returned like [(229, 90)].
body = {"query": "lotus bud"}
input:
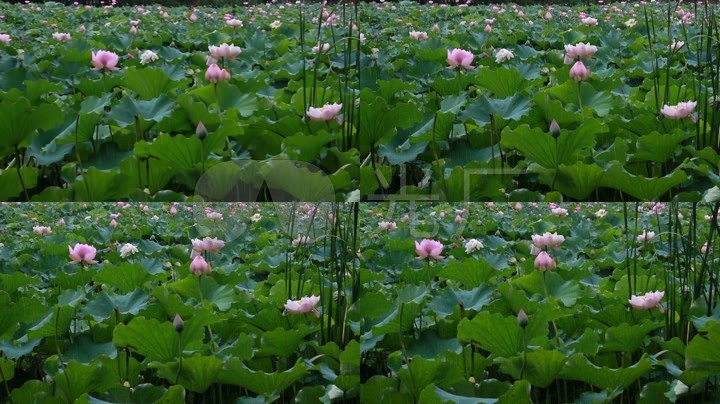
[(522, 319), (554, 128), (178, 323), (201, 131)]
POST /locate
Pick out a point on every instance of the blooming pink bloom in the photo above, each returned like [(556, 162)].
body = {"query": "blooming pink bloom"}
[(61, 36), (680, 111), (325, 113), (548, 16), (193, 17), (559, 211), (212, 245), (589, 21), (82, 253), (215, 74), (44, 230), (301, 240), (105, 60), (387, 225), (430, 249), (544, 261), (224, 51), (418, 35), (646, 236), (551, 240), (173, 211), (579, 72), (460, 58), (305, 305), (234, 23), (651, 300), (5, 38), (199, 266), (581, 50)]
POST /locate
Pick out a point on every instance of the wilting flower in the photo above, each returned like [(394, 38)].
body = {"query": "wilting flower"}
[(460, 58), (61, 36), (551, 240), (649, 301), (589, 21), (325, 113), (127, 250), (473, 245), (430, 249), (387, 225), (522, 319), (82, 253), (680, 111), (147, 57), (215, 74), (418, 35), (544, 261), (105, 60), (675, 46), (199, 266), (581, 50), (503, 55), (42, 230), (234, 23), (579, 72), (646, 236), (224, 51), (305, 305)]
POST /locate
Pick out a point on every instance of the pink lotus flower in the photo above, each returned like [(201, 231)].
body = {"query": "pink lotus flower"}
[(5, 38), (544, 261), (548, 16), (551, 240), (429, 249), (211, 245), (460, 58), (559, 211), (193, 17), (418, 35), (387, 225), (675, 46), (581, 50), (82, 253), (234, 23), (105, 60), (589, 21), (325, 113), (305, 305), (646, 236), (680, 111), (133, 30), (579, 72), (301, 240), (199, 266), (649, 301), (113, 223), (61, 36), (42, 230), (215, 74), (224, 51)]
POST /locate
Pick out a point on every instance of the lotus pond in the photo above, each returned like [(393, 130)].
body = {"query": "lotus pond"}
[(518, 303), (150, 103), (458, 101), (178, 303)]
